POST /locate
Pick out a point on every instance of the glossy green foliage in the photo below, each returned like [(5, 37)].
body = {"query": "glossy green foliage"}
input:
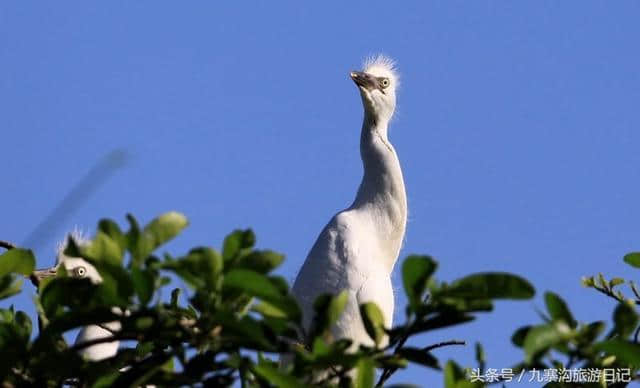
[(14, 263), (232, 318)]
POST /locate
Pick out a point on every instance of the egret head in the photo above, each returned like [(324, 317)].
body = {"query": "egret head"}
[(377, 82), (76, 266)]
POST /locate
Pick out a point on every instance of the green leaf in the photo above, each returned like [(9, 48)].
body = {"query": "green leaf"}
[(452, 374), (202, 267), (209, 265), (166, 227), (625, 320), (416, 271), (519, 335), (133, 238), (336, 306), (9, 286), (112, 230), (280, 283), (588, 281), (542, 337), (558, 309), (116, 287), (442, 320), (17, 260), (7, 315), (143, 323), (67, 291), (175, 295), (320, 348), (262, 287), (481, 357), (103, 248), (588, 333), (260, 261), (106, 380), (320, 317), (328, 309), (253, 283), (269, 310), (627, 352), (237, 242), (23, 326), (459, 304), (157, 232), (633, 259), (492, 285), (615, 282), (144, 348), (396, 361), (275, 376), (419, 356), (365, 373), (143, 283), (373, 320), (245, 332)]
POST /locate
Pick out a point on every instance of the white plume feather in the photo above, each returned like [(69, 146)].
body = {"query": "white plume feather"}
[(381, 63)]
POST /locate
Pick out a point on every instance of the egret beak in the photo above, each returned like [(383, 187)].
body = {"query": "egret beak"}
[(40, 274), (364, 80)]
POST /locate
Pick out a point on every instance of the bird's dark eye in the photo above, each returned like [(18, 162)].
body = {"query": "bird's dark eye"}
[(79, 272), (384, 82)]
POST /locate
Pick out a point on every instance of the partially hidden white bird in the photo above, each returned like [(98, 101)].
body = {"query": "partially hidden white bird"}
[(356, 251), (80, 268)]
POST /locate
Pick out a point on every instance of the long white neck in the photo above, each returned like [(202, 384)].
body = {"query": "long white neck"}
[(382, 194)]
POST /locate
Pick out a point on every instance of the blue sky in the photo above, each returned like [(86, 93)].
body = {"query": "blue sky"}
[(517, 128)]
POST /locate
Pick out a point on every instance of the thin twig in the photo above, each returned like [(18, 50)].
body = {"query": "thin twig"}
[(118, 337), (635, 291), (7, 245), (441, 344), (389, 371), (106, 328), (612, 295)]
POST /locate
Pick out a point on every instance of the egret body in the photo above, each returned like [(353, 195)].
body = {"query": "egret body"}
[(356, 251)]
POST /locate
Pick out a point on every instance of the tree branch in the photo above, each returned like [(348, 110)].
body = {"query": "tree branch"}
[(441, 344)]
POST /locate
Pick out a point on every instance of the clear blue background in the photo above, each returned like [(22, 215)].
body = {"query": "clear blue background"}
[(517, 127)]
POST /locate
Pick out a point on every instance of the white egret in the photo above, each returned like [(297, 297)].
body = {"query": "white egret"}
[(356, 251), (80, 268)]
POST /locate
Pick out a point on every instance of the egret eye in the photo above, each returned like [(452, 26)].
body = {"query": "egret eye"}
[(79, 272), (384, 82)]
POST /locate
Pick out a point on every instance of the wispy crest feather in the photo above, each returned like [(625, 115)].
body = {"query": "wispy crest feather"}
[(78, 235), (381, 61)]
